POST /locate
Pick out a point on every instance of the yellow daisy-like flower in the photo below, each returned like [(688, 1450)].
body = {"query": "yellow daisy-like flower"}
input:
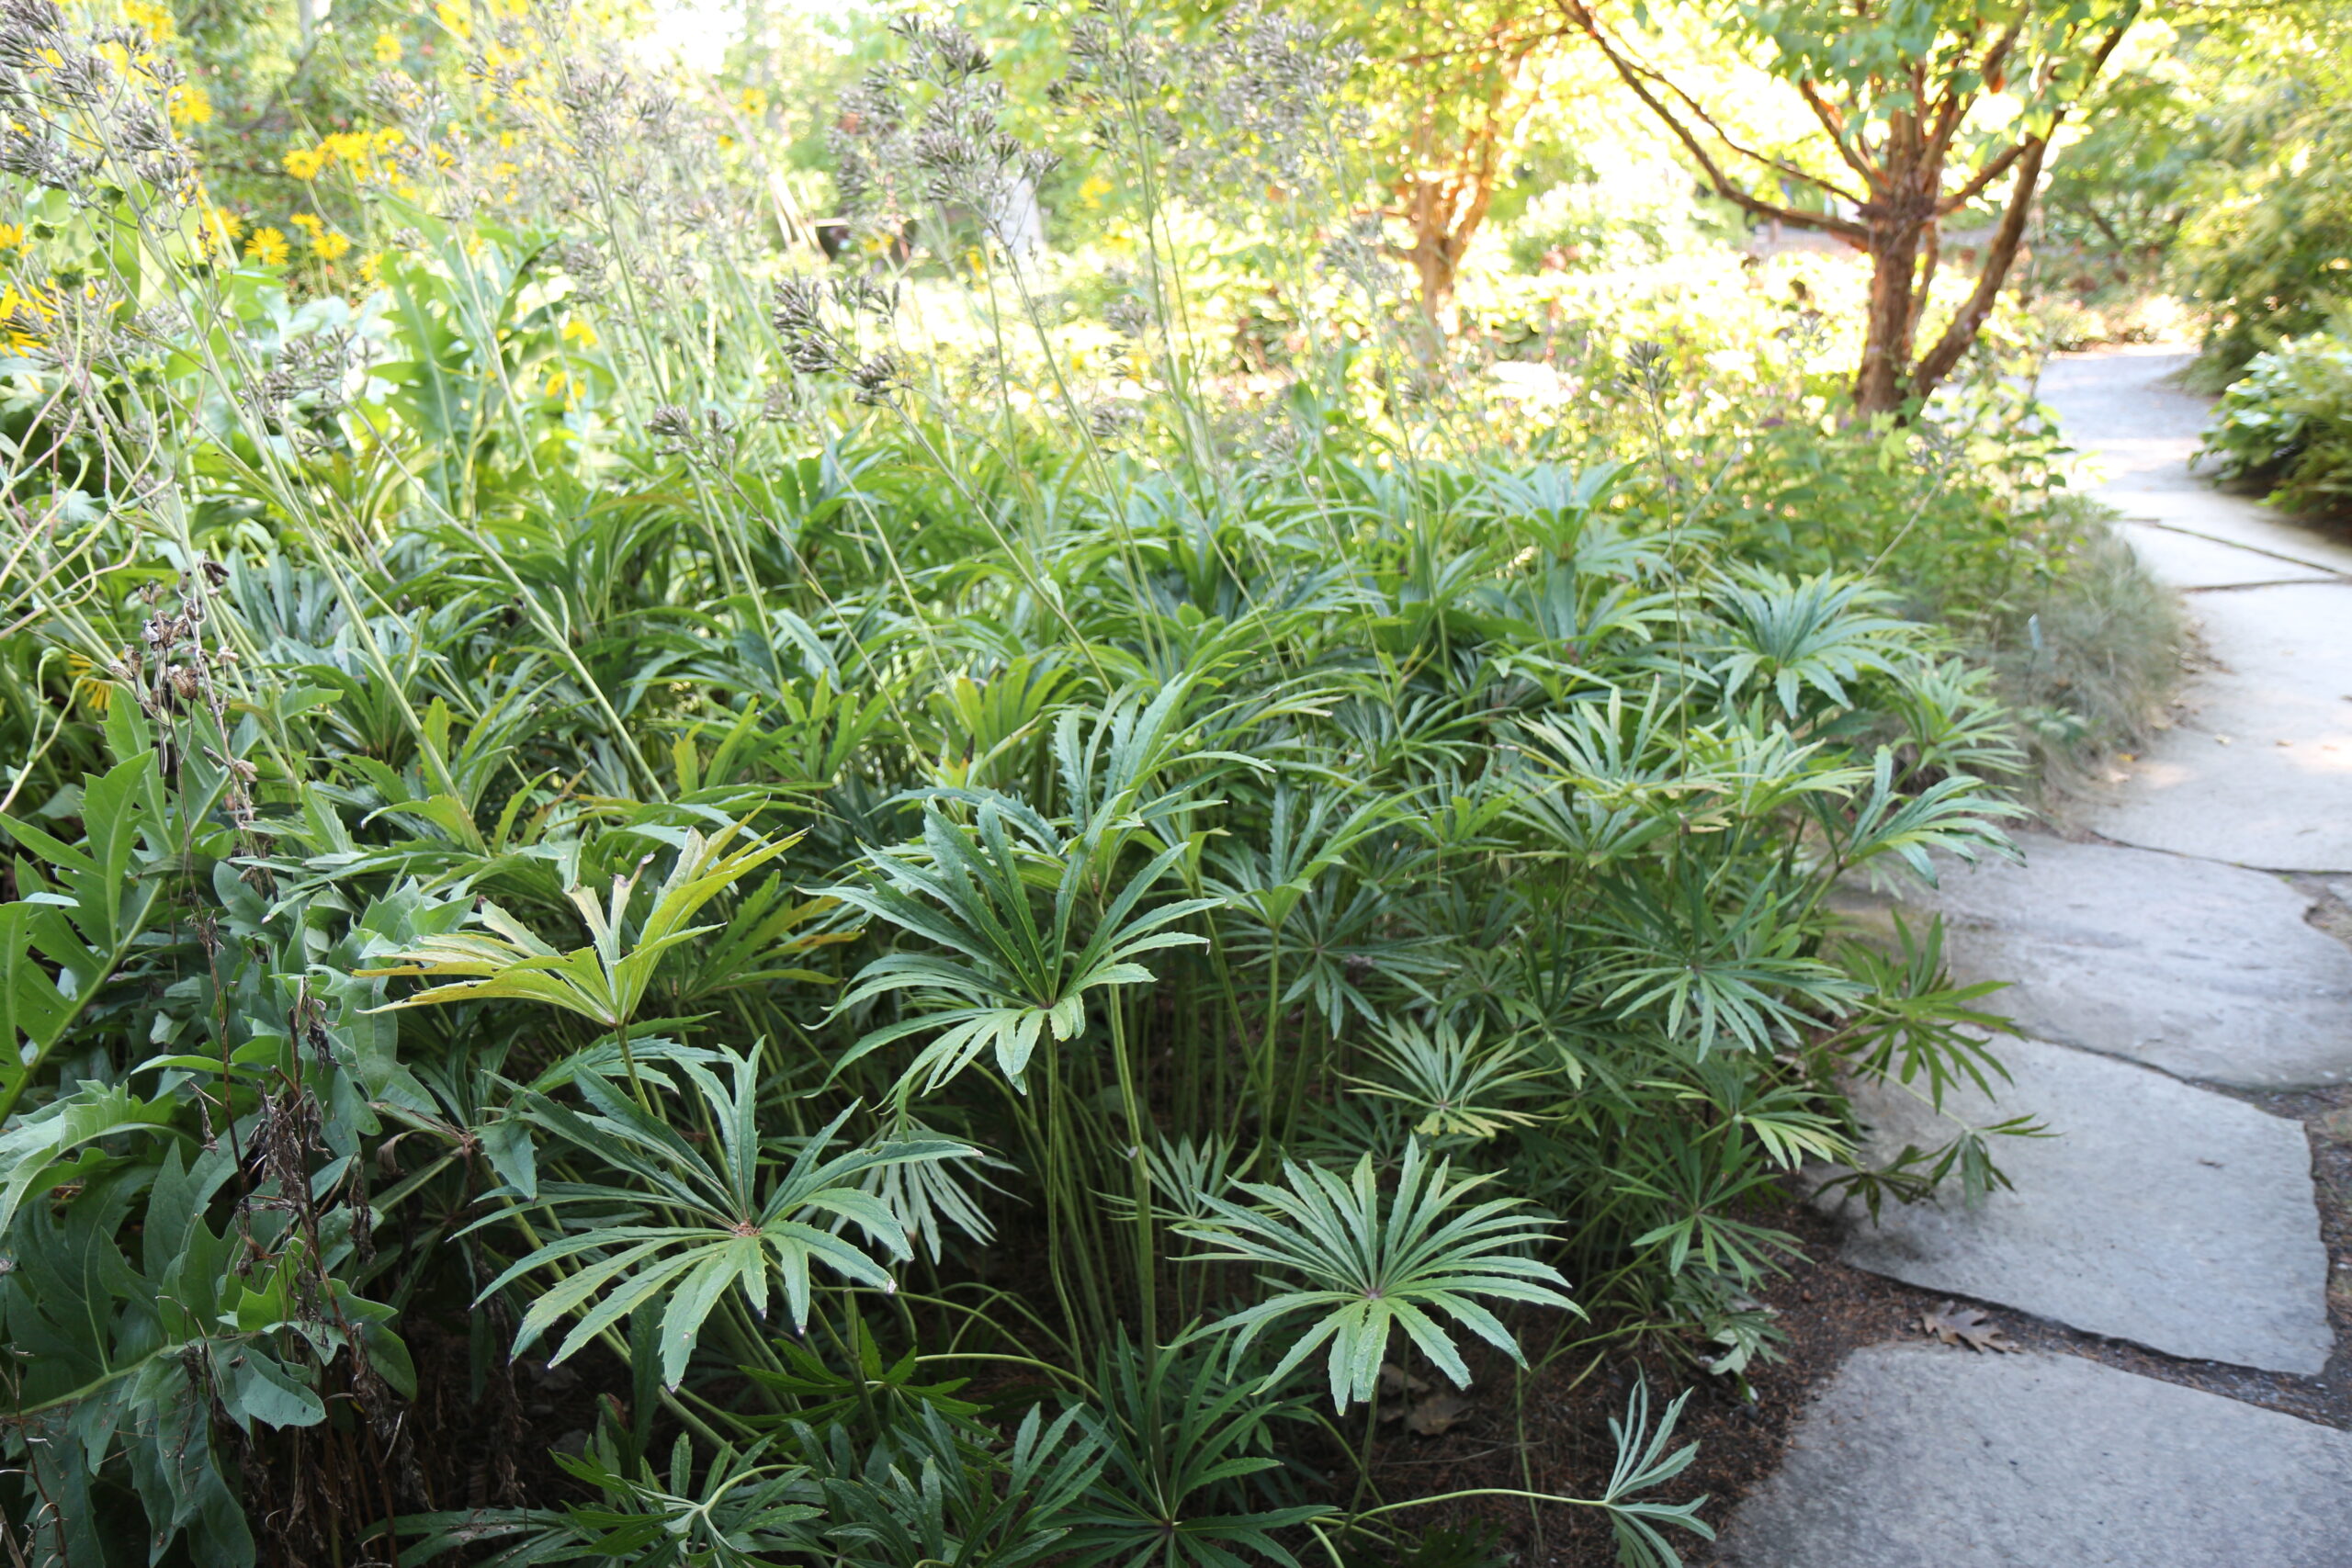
[(12, 236), (387, 49), (304, 163), (308, 224), (189, 104), (578, 332), (155, 21), (21, 319), (456, 18), (369, 266), (228, 222), (752, 101), (330, 246), (267, 246)]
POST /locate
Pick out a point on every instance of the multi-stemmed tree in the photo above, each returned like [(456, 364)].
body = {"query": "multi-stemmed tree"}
[(1926, 109)]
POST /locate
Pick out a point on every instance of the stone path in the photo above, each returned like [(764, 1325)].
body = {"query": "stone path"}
[(1926, 1457), (2260, 772), (2166, 954)]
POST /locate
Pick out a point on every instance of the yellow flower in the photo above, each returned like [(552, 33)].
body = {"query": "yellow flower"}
[(89, 682), (387, 49), (267, 246), (309, 225), (228, 222), (578, 330), (753, 102), (369, 266), (12, 236), (331, 245), (21, 319), (153, 20), (304, 163), (455, 17), (189, 104)]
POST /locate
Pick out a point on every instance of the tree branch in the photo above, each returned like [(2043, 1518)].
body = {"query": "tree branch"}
[(1632, 78), (1984, 176), (1962, 329), (1962, 332), (1835, 123)]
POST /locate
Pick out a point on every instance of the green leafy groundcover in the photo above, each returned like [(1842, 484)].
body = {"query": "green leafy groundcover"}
[(987, 989), (2287, 423)]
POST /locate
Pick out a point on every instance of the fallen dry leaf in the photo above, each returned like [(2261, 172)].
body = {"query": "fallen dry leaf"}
[(1438, 1412), (1964, 1326), (1394, 1379)]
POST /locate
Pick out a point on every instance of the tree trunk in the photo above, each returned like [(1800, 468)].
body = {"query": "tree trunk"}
[(1883, 379), (1440, 236)]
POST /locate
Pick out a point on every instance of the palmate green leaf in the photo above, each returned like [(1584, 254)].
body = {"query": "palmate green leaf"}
[(1643, 1462), (604, 981), (932, 1490), (740, 1511), (1956, 815), (1187, 1451), (1461, 1088), (734, 1222), (1373, 1269), (1718, 978), (1817, 633), (1006, 977)]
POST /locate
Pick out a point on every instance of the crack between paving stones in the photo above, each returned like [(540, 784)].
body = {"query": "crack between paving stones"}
[(2288, 1394), (2273, 582), (2340, 577)]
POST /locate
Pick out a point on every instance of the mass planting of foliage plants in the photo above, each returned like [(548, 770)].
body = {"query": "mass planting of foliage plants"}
[(657, 916)]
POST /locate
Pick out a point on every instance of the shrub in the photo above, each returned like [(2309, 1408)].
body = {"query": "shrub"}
[(2286, 425), (607, 798)]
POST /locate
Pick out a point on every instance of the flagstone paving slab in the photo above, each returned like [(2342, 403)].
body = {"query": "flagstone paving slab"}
[(1925, 1457), (2233, 523), (2258, 771), (2139, 436), (2161, 1213), (2194, 561), (2206, 970)]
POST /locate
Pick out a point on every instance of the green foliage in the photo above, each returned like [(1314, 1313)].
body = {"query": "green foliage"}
[(735, 1234), (2287, 423), (1374, 1269), (2267, 248), (1004, 835)]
